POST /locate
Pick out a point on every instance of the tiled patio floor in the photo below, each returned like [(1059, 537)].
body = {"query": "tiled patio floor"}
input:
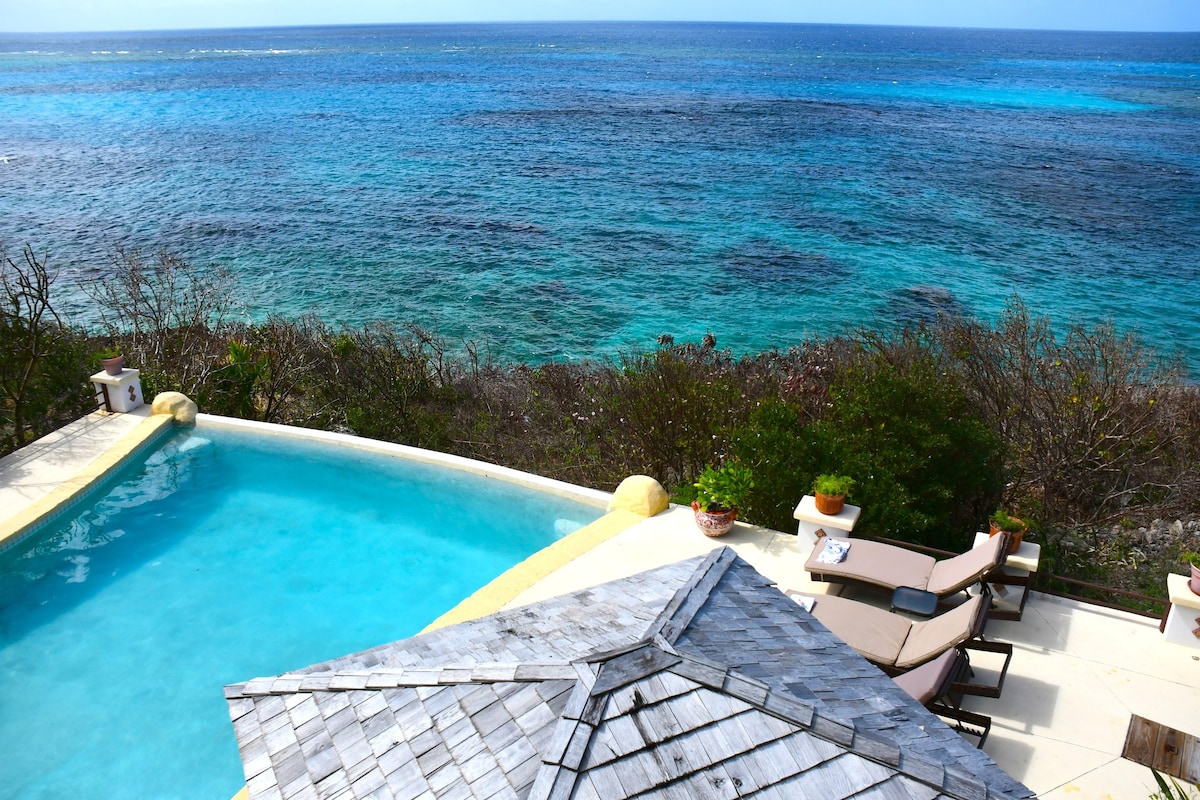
[(34, 471)]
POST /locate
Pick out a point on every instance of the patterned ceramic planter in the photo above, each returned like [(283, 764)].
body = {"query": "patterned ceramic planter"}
[(714, 523)]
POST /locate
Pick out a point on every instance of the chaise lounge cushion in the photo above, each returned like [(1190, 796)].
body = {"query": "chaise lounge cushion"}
[(928, 682), (894, 641), (876, 635), (934, 636), (888, 566), (878, 564), (955, 574)]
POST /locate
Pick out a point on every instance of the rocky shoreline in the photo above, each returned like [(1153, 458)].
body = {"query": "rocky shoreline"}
[(1161, 537)]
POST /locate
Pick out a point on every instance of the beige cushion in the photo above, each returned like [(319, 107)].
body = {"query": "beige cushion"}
[(955, 574), (892, 640), (875, 563), (930, 638), (928, 682), (875, 634)]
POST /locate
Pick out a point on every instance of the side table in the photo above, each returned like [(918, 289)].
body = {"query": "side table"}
[(118, 393), (810, 521), (1184, 617), (1007, 604), (914, 601)]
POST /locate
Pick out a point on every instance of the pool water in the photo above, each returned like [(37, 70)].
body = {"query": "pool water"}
[(218, 557)]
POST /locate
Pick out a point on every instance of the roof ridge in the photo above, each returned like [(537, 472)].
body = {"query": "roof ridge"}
[(692, 595), (401, 677)]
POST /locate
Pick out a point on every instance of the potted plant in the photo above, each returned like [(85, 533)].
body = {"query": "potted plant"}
[(718, 494), (1192, 559), (112, 362), (830, 492), (1003, 522)]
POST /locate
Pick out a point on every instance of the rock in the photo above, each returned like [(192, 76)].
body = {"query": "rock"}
[(177, 404), (1177, 529), (640, 494)]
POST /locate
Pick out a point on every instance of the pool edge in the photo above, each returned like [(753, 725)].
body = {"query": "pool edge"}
[(76, 488), (594, 497), (512, 582)]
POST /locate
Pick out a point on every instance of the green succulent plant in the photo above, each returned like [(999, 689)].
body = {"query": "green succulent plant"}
[(833, 485), (724, 488), (1006, 522)]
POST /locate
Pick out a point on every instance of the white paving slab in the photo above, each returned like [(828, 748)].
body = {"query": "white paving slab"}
[(41, 466)]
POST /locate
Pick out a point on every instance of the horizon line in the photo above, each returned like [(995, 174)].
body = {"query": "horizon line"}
[(468, 23)]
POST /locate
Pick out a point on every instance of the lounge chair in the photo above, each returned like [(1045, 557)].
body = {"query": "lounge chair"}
[(939, 686), (898, 644), (888, 567)]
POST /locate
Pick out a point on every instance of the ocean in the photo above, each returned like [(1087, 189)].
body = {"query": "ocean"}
[(570, 191)]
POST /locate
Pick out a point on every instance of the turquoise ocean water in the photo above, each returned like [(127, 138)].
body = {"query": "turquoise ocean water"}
[(568, 190)]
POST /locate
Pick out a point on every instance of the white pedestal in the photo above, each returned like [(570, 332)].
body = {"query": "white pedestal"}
[(1024, 561), (1011, 589), (118, 393), (810, 521), (1184, 613)]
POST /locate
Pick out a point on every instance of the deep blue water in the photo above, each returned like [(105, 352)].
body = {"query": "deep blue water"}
[(568, 190)]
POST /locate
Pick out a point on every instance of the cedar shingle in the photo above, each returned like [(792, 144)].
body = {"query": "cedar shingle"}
[(743, 691)]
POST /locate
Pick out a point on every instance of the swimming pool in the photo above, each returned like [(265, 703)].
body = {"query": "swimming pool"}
[(219, 556)]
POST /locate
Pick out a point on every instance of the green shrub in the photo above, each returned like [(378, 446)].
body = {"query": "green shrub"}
[(927, 467), (1081, 416), (785, 455), (667, 412)]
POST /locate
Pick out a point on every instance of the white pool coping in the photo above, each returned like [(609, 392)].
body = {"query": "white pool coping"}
[(592, 497), (48, 477)]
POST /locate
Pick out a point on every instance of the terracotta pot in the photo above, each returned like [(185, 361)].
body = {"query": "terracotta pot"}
[(1017, 536), (1194, 583), (714, 523), (830, 504), (114, 365)]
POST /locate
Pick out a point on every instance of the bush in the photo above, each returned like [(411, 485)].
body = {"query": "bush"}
[(669, 413), (785, 454), (44, 363), (1090, 422), (927, 468), (168, 316)]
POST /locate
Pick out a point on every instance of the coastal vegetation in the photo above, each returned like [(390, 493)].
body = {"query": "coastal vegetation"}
[(1086, 436)]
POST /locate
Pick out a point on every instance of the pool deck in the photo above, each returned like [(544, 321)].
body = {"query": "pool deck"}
[(1078, 672), (47, 475)]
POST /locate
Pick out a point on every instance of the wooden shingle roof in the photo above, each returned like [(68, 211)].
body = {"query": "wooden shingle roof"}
[(680, 682)]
